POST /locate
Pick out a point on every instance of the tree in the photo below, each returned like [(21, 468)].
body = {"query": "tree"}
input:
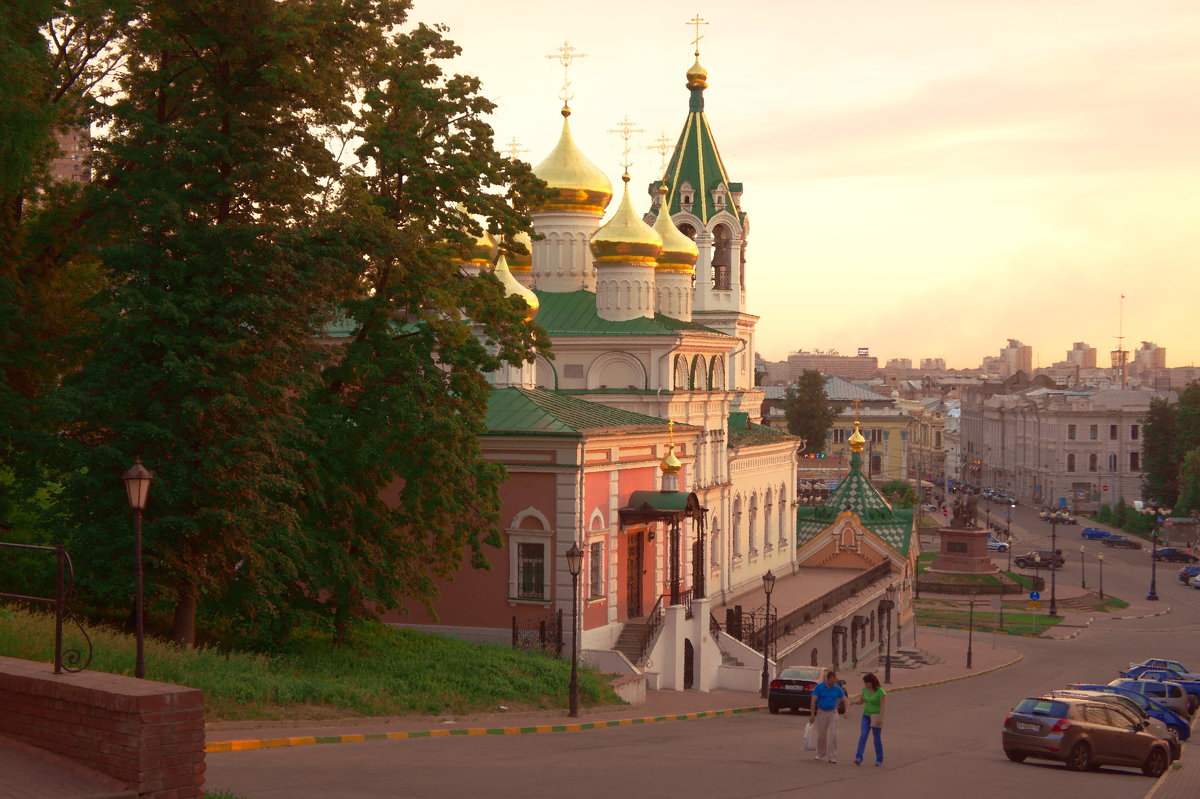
[(1159, 461), (900, 493), (808, 410), (1189, 483)]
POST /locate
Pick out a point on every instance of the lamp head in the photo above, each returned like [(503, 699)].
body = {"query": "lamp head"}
[(769, 582), (574, 560), (137, 484)]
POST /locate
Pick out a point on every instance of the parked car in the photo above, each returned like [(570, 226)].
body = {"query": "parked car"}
[(1185, 574), (1169, 694), (1083, 734), (1194, 581), (793, 687), (996, 545), (1177, 725), (1151, 725), (1094, 533), (1169, 665), (1172, 555), (1121, 541), (1041, 559), (1192, 687)]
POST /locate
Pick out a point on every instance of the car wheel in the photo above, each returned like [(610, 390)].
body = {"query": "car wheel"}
[(1156, 763), (1080, 757), (773, 707), (1015, 757)]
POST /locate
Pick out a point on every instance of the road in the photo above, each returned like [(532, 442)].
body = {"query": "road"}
[(940, 741)]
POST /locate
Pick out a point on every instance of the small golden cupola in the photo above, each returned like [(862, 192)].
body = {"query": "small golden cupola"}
[(697, 76), (679, 253), (626, 238), (670, 465), (574, 182), (856, 439), (513, 288)]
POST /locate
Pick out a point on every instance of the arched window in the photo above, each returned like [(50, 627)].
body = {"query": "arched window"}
[(1070, 461), (783, 517), (768, 520), (1093, 462), (753, 526), (722, 260), (716, 373), (681, 374), (737, 526), (714, 559), (699, 373)]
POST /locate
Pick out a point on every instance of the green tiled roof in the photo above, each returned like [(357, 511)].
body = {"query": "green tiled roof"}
[(697, 161), (891, 525), (573, 313), (744, 433), (536, 411)]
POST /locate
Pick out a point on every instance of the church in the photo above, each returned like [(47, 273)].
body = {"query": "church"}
[(640, 475)]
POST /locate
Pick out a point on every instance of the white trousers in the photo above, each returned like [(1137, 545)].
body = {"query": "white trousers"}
[(825, 726)]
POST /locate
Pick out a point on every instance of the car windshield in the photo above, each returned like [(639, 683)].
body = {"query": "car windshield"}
[(1175, 667), (801, 673), (1042, 707)]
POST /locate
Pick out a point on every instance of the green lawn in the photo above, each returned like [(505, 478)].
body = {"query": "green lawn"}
[(387, 671), (986, 620)]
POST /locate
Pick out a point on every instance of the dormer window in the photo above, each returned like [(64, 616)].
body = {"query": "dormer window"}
[(686, 196)]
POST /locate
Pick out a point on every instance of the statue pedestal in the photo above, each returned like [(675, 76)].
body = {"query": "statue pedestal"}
[(963, 551)]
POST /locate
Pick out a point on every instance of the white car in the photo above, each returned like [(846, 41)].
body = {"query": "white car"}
[(1194, 582), (996, 545)]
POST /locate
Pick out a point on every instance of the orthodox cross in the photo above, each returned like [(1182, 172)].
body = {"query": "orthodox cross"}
[(856, 402), (514, 148), (663, 145), (626, 130), (564, 55), (697, 21)]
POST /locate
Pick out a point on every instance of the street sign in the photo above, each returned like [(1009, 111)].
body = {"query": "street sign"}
[(1104, 487), (1035, 604), (1034, 596)]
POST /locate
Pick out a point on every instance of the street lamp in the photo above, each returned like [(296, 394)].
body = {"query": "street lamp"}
[(1156, 519), (1082, 569), (1100, 560), (575, 566), (888, 604), (970, 629), (137, 489), (1055, 519), (768, 586)]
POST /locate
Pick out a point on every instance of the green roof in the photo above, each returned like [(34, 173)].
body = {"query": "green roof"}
[(659, 500), (744, 433), (536, 411), (573, 313), (697, 161), (856, 493)]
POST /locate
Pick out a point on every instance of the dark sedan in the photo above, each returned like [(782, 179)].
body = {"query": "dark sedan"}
[(1172, 555), (1042, 559), (1121, 541), (1094, 533), (793, 688)]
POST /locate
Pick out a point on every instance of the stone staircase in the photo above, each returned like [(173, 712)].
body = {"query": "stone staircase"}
[(909, 659), (629, 643)]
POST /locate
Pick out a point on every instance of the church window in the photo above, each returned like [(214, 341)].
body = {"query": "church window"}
[(737, 526), (531, 571), (716, 374), (753, 526), (596, 570), (681, 374), (688, 231), (722, 259), (768, 518), (715, 547), (783, 516)]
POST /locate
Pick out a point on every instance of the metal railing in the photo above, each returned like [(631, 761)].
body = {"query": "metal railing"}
[(71, 660), (544, 635)]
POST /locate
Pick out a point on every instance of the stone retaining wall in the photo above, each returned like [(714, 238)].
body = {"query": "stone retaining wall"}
[(149, 735)]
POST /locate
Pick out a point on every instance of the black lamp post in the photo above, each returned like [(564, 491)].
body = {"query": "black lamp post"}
[(1056, 518), (889, 603), (575, 566), (1082, 568), (137, 489), (768, 586), (1153, 512), (970, 629), (1100, 560)]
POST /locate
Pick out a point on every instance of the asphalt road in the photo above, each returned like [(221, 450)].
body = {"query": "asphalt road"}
[(940, 741)]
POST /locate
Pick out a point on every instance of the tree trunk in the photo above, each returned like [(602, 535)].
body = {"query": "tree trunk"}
[(183, 631)]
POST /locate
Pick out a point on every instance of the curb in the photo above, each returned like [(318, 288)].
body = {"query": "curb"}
[(252, 744), (304, 740), (1091, 619)]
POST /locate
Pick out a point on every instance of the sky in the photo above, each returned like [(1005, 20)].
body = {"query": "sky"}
[(926, 178)]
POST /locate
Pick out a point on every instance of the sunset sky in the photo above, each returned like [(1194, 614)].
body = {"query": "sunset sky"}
[(925, 178)]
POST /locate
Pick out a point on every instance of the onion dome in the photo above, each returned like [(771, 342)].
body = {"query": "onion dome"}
[(670, 464), (856, 439), (521, 263), (679, 253), (697, 76), (513, 288), (482, 251), (626, 238), (574, 183)]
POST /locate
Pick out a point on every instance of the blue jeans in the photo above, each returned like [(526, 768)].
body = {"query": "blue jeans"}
[(867, 729)]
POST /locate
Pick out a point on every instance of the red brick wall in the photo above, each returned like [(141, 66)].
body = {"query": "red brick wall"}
[(149, 735)]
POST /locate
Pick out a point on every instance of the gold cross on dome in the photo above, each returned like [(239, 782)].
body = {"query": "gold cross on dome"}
[(626, 129), (856, 402), (514, 148), (663, 145), (697, 21), (564, 55)]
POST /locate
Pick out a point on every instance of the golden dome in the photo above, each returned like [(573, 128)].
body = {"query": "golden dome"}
[(697, 76), (513, 288), (521, 263), (626, 238), (670, 464), (857, 440), (574, 183), (679, 253)]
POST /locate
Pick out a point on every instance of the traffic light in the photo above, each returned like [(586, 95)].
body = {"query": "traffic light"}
[(945, 512)]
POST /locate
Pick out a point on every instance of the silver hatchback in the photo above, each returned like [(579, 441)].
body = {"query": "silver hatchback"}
[(1165, 693)]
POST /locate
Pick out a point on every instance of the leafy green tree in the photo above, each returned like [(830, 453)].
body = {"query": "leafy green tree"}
[(1159, 461), (1105, 514), (900, 493), (402, 490), (1189, 482), (808, 410)]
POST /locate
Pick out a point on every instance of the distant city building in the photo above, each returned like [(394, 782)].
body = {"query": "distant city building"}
[(830, 363), (75, 146), (933, 364), (1082, 355), (1016, 357), (899, 363), (1148, 358)]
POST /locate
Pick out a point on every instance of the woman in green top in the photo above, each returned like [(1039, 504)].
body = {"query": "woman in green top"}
[(873, 699)]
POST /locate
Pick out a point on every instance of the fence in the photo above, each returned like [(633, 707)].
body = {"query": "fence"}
[(71, 660)]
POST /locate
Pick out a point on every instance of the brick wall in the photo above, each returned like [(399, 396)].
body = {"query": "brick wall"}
[(149, 735)]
